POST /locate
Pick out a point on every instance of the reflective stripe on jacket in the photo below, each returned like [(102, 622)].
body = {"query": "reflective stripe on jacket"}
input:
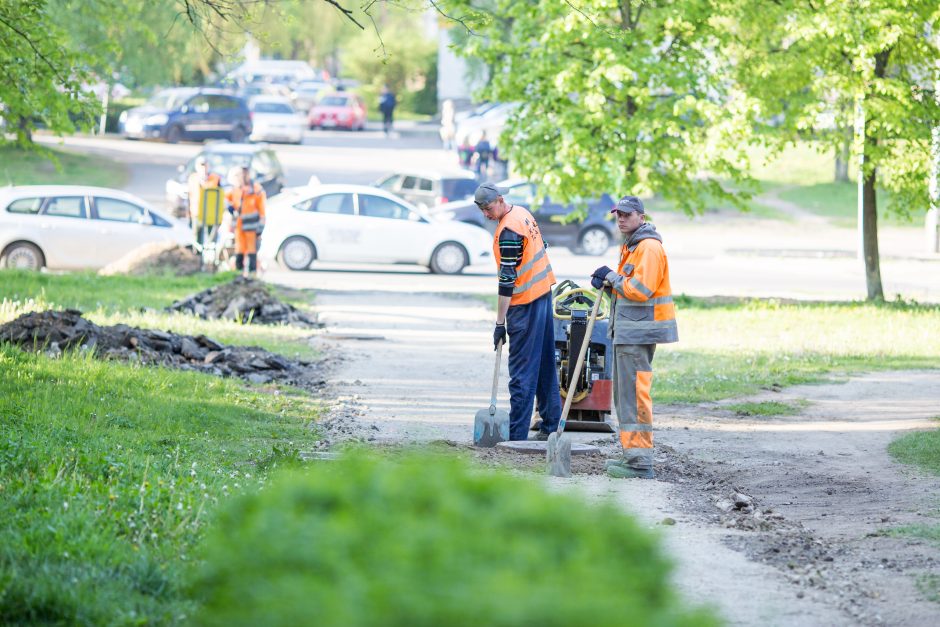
[(644, 312), (534, 276), (249, 206)]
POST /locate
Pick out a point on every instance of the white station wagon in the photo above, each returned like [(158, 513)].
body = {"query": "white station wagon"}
[(66, 227), (358, 223)]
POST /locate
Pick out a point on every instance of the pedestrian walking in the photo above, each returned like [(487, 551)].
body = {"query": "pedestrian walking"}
[(387, 102), (524, 313), (448, 124), (483, 151), (247, 200), (644, 316)]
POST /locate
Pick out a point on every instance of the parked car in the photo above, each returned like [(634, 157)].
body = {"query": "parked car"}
[(306, 93), (274, 119), (591, 235), (66, 227), (491, 121), (188, 114), (338, 110), (428, 189), (358, 223), (252, 90), (222, 157)]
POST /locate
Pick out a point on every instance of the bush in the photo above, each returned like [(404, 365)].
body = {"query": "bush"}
[(428, 541)]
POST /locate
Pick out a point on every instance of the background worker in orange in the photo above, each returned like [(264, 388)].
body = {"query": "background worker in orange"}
[(524, 311), (644, 316), (247, 202), (199, 180)]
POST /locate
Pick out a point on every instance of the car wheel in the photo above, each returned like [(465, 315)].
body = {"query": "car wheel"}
[(238, 135), (595, 241), (23, 256), (297, 253), (449, 258), (174, 134)]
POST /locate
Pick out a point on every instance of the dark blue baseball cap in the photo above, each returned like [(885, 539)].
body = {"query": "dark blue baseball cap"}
[(629, 204)]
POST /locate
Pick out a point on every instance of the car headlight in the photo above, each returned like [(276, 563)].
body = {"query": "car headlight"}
[(159, 118)]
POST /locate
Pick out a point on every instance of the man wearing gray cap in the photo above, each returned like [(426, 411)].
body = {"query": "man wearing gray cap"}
[(644, 316), (524, 312)]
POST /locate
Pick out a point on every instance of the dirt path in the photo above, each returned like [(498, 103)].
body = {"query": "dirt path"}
[(817, 492)]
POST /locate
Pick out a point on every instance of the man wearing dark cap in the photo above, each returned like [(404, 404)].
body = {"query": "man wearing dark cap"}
[(644, 316), (524, 312)]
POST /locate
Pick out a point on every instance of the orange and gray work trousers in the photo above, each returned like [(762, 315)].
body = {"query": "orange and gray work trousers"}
[(633, 378)]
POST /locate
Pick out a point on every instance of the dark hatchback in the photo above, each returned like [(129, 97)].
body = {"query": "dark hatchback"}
[(222, 157), (591, 235), (188, 113)]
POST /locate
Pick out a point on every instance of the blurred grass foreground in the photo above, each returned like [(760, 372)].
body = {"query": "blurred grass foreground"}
[(429, 540)]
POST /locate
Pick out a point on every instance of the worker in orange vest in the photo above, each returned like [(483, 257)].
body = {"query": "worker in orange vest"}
[(199, 180), (524, 312), (644, 316), (246, 200)]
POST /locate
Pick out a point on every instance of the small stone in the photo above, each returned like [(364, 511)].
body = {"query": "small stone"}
[(668, 521), (800, 594)]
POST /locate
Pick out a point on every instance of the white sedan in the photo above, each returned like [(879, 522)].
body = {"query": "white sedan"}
[(273, 119), (357, 223), (68, 227)]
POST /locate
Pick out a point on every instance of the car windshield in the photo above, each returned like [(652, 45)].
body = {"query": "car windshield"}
[(272, 107), (167, 100), (334, 101), (221, 162)]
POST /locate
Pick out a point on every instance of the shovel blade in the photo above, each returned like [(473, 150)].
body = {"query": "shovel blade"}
[(490, 428), (558, 455)]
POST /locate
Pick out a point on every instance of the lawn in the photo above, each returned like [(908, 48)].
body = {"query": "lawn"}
[(110, 474), (49, 166), (138, 301), (839, 203)]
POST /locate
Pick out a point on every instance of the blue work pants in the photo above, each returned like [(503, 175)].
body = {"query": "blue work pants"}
[(532, 372)]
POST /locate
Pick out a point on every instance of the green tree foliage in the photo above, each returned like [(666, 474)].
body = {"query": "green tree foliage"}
[(623, 96), (427, 541), (804, 61)]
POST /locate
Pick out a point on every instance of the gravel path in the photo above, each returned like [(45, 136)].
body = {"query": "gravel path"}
[(805, 544)]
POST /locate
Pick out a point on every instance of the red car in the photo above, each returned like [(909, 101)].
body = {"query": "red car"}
[(338, 110)]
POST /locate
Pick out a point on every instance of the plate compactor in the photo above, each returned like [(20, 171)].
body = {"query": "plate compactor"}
[(571, 306)]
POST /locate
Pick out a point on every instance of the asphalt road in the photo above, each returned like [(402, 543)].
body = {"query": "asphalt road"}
[(713, 255)]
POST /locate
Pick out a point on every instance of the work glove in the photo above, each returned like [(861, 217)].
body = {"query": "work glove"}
[(499, 335), (599, 276)]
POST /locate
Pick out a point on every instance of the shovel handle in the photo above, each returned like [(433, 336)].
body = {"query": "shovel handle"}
[(577, 367), (499, 359)]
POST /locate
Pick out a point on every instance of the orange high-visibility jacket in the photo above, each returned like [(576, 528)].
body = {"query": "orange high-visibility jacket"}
[(644, 312), (248, 203), (534, 276), (196, 185)]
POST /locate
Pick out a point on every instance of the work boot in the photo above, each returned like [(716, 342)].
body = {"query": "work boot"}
[(539, 435), (618, 469)]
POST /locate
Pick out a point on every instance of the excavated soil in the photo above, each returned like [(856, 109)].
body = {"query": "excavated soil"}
[(55, 331), (245, 300), (156, 258)]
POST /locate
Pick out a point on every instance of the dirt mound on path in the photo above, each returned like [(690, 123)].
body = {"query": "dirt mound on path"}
[(55, 331), (156, 258), (245, 300)]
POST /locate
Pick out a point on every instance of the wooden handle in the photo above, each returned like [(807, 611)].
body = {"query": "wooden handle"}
[(577, 367), (499, 359)]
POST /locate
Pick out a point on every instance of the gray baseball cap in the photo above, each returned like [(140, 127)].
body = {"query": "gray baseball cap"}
[(629, 204), (487, 193)]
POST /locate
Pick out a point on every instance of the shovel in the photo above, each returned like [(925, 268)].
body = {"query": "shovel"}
[(558, 447), (491, 425)]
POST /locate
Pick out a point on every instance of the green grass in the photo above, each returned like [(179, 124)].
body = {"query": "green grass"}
[(48, 166), (929, 586), (119, 299), (756, 209), (839, 202), (111, 473), (924, 532), (921, 449), (766, 408)]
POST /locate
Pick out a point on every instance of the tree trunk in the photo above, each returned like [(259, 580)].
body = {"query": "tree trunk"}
[(842, 158), (870, 232)]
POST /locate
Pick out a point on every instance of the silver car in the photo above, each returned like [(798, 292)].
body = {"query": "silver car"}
[(70, 227)]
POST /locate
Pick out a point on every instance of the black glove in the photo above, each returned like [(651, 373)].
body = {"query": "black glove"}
[(597, 279), (499, 335)]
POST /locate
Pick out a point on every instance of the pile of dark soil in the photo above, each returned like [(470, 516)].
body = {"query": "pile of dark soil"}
[(245, 300), (156, 258), (55, 331)]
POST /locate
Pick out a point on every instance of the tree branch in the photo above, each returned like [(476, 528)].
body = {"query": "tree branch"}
[(36, 50), (459, 20)]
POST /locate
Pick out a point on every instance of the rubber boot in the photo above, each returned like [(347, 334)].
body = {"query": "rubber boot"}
[(618, 469)]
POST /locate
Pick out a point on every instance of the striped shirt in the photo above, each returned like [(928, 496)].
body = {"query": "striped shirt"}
[(511, 245)]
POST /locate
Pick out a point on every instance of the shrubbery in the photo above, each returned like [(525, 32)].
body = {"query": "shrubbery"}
[(426, 540)]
